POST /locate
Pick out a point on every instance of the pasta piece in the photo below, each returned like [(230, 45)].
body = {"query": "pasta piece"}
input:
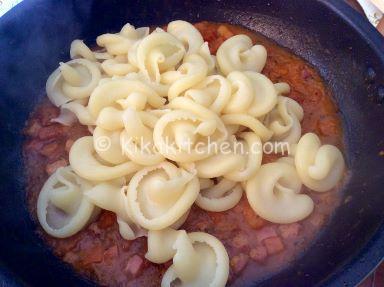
[(183, 136), (250, 122), (80, 50), (199, 259), (274, 194), (213, 93), (157, 53), (109, 93), (253, 93), (193, 70), (73, 80), (220, 197), (284, 120), (320, 167), (160, 195), (85, 163), (62, 208), (210, 60), (238, 54), (80, 112), (137, 138), (120, 43), (118, 66), (187, 34), (107, 145)]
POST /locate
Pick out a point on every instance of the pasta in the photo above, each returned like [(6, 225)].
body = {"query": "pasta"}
[(238, 54), (274, 194), (199, 259), (62, 208), (320, 167), (172, 126)]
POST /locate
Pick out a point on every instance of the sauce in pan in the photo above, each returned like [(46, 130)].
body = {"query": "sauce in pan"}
[(256, 247)]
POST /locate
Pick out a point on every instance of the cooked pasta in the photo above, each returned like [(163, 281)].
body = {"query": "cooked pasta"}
[(173, 126)]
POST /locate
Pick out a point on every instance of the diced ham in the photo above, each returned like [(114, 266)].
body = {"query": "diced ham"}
[(52, 167), (240, 241), (266, 232), (70, 257), (33, 129), (134, 265), (224, 32), (252, 218), (49, 149), (239, 262), (110, 254), (50, 112), (259, 253), (273, 244), (317, 219), (53, 131), (68, 145), (290, 230), (92, 255), (107, 219)]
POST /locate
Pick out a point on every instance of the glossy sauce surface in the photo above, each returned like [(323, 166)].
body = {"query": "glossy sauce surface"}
[(256, 248)]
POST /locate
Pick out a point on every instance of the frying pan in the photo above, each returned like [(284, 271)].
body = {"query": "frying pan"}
[(349, 54)]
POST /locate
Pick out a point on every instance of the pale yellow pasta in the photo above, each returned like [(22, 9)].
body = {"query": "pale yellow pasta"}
[(320, 167), (250, 122), (160, 195), (111, 151), (238, 54), (187, 34), (193, 70), (157, 53), (220, 197), (80, 111), (209, 59), (117, 66), (274, 194), (108, 93), (252, 93), (183, 136), (284, 121), (85, 163), (75, 79), (80, 50), (199, 259), (62, 208), (120, 43), (214, 93)]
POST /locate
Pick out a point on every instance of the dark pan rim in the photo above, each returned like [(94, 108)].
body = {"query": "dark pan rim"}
[(369, 258)]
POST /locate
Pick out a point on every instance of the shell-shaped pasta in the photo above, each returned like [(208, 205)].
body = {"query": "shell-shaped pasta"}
[(158, 53), (112, 154), (120, 43), (193, 70), (320, 167), (118, 66), (238, 54), (284, 120), (253, 93), (62, 208), (160, 195), (87, 164), (213, 93), (183, 136), (80, 50), (80, 111), (73, 80), (274, 194), (111, 196), (199, 259), (250, 122), (187, 34), (137, 138), (110, 92), (220, 197)]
